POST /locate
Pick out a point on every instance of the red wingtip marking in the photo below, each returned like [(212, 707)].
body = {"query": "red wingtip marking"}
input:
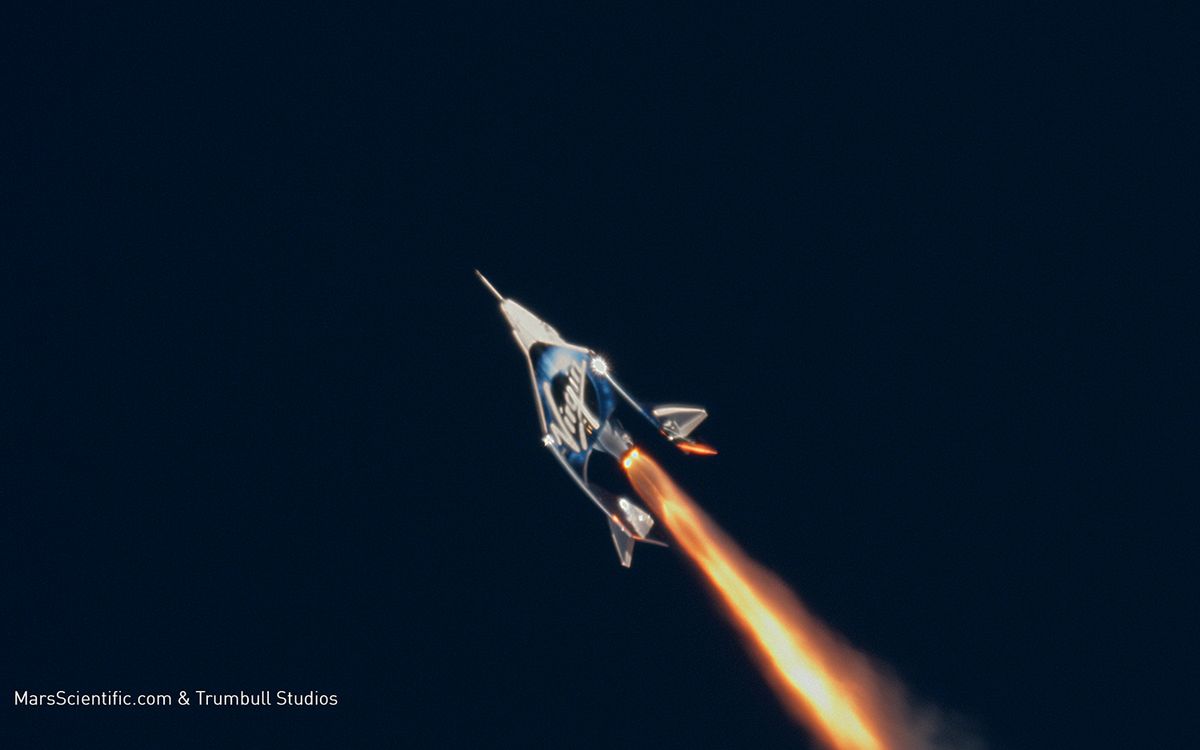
[(698, 449)]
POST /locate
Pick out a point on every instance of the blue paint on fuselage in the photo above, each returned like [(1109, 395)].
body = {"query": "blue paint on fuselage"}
[(575, 401)]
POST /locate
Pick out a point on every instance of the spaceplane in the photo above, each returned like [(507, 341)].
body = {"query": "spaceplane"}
[(576, 397)]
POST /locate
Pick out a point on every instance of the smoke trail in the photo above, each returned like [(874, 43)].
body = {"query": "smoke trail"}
[(826, 684)]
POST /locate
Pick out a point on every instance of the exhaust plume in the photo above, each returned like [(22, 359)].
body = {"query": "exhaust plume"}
[(823, 682)]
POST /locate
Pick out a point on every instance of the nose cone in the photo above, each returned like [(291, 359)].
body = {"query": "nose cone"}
[(528, 328)]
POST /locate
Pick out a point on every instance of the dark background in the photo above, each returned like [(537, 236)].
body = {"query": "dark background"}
[(265, 430)]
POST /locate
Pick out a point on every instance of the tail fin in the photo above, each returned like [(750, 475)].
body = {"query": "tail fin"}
[(674, 421), (636, 518), (633, 528), (678, 421)]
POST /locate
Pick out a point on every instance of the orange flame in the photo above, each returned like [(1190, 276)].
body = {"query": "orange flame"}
[(823, 682)]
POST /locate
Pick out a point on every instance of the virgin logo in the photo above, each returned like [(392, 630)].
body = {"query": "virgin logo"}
[(571, 419)]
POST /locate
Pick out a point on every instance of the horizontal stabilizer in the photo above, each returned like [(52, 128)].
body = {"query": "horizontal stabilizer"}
[(678, 421), (633, 529), (655, 542), (636, 518)]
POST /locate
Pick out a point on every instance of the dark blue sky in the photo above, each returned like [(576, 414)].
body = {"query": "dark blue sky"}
[(270, 433)]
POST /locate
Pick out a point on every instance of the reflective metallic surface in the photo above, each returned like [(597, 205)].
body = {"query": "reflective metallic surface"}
[(576, 397)]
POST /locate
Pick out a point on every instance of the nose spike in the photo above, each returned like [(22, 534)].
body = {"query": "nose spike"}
[(488, 284)]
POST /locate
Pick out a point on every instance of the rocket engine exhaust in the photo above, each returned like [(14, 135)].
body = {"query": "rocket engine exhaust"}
[(822, 681)]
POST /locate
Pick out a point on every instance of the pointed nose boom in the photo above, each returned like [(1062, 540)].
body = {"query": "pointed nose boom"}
[(488, 284)]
